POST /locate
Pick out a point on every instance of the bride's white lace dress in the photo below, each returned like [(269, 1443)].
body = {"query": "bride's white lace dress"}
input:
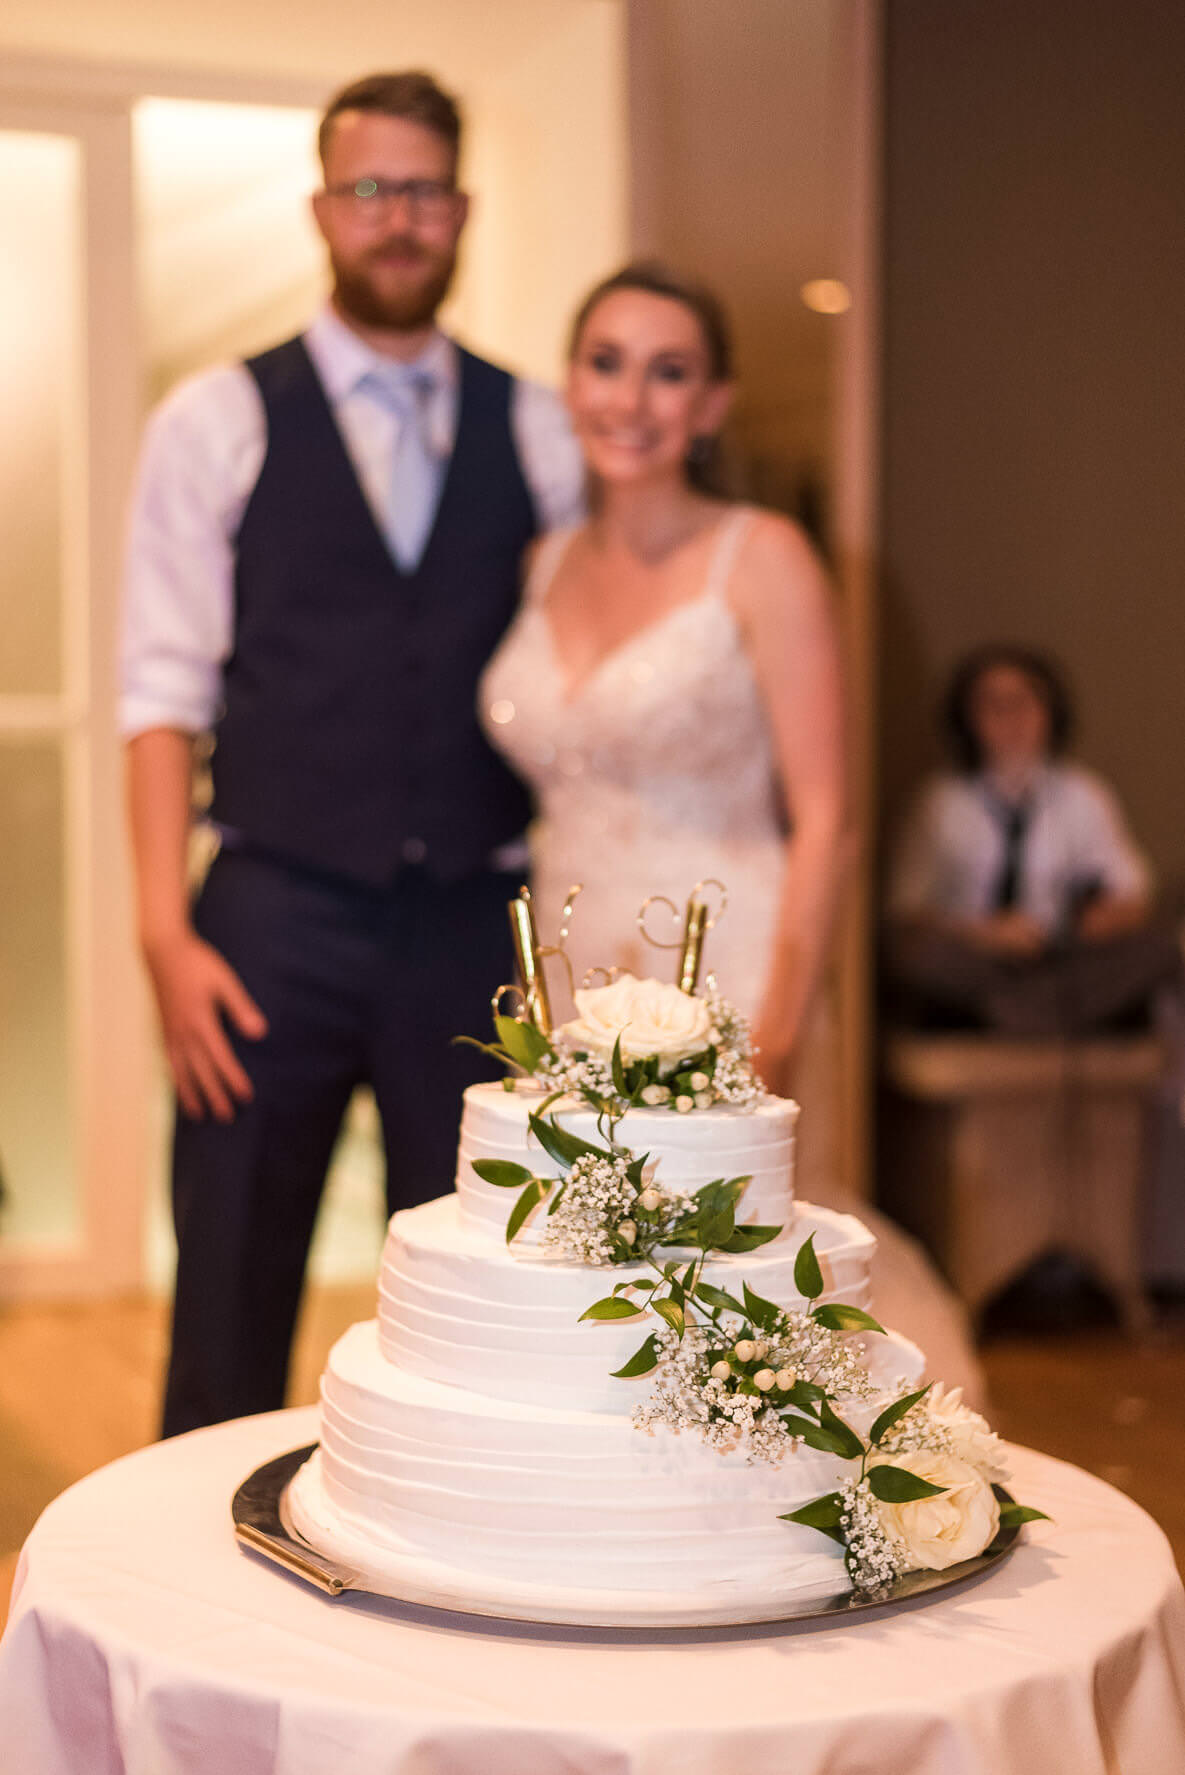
[(654, 772)]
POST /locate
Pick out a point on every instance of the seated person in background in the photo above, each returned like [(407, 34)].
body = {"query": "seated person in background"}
[(1018, 900)]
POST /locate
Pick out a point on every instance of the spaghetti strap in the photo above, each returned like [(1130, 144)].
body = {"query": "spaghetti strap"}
[(733, 530), (546, 564)]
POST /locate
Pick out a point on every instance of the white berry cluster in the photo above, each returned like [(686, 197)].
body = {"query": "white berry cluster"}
[(875, 1555), (831, 1359), (687, 1396), (729, 1392), (597, 1201)]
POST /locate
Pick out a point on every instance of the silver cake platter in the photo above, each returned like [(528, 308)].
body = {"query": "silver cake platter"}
[(261, 1523)]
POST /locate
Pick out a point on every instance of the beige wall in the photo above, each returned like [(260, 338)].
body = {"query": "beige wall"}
[(733, 126), (1034, 465)]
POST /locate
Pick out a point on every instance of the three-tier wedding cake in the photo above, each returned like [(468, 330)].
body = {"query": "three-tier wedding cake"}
[(496, 1440)]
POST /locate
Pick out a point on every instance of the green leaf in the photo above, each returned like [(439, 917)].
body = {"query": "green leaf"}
[(556, 1199), (1012, 1515), (716, 1229), (815, 1436), (613, 1307), (563, 1147), (839, 1429), (763, 1313), (535, 1192), (893, 1485), (806, 1394), (717, 1297), (837, 1317), (641, 1362), (635, 1171), (808, 1277), (820, 1513), (894, 1413), (497, 1052), (523, 1042), (502, 1172), (672, 1313), (617, 1068), (748, 1238)]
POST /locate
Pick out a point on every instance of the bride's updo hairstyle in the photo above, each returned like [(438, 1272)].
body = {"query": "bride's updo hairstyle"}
[(653, 278)]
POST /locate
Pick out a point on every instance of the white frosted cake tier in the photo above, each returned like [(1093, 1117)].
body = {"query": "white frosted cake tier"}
[(687, 1150), (486, 1503), (457, 1305)]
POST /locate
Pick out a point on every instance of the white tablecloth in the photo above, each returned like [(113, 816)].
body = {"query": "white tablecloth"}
[(143, 1642)]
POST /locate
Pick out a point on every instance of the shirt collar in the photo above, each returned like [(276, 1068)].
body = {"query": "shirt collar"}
[(342, 358)]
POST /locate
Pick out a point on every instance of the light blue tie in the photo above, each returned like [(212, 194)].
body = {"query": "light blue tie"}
[(413, 491)]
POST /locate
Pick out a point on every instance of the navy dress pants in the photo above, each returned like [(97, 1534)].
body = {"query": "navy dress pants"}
[(358, 987)]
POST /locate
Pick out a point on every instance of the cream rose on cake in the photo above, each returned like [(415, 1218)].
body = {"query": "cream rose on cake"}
[(971, 1436), (653, 1019), (957, 1524)]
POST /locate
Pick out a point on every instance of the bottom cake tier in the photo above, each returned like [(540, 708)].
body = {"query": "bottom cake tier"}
[(506, 1506)]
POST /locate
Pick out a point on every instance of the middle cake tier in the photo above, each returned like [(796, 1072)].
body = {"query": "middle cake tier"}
[(456, 1305)]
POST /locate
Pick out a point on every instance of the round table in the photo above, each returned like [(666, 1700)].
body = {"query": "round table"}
[(143, 1640)]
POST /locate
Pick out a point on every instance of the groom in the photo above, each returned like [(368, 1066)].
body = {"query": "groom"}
[(324, 551)]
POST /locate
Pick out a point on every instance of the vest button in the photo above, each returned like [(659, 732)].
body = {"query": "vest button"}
[(414, 850)]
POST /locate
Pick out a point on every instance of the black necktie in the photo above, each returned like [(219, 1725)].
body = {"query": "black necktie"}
[(1014, 817)]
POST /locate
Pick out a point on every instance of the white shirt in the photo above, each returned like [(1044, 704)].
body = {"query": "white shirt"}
[(202, 453), (951, 852)]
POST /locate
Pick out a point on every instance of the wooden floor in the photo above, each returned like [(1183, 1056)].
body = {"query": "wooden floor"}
[(79, 1386)]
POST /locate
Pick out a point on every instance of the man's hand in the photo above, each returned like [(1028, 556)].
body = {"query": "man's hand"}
[(1108, 917), (195, 987), (1007, 934)]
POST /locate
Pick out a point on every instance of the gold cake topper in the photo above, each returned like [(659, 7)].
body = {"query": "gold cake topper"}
[(697, 922), (528, 1001)]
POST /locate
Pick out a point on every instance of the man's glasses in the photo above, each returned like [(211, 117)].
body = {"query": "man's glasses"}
[(429, 200)]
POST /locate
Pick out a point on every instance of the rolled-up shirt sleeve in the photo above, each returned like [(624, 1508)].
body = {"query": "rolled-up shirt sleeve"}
[(1106, 850), (200, 457)]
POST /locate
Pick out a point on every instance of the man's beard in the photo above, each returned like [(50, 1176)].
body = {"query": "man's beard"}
[(403, 310)]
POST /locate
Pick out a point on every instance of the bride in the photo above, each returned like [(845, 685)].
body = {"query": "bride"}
[(671, 688)]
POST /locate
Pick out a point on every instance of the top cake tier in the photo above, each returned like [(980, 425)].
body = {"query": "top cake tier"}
[(686, 1150)]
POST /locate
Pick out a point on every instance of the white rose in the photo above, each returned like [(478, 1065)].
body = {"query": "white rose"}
[(972, 1437), (650, 1016), (957, 1524)]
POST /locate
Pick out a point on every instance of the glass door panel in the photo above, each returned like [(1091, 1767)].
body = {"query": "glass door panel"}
[(42, 691), (39, 371)]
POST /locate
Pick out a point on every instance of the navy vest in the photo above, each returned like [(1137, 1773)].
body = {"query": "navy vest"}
[(349, 740)]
